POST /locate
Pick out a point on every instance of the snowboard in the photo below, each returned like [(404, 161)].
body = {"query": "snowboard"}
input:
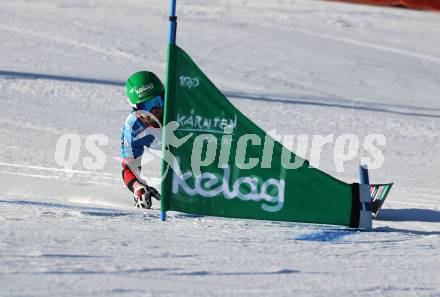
[(379, 193)]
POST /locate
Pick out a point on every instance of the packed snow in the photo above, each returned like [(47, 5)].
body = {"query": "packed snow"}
[(297, 66)]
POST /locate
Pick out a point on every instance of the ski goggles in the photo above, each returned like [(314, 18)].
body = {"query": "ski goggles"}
[(156, 102)]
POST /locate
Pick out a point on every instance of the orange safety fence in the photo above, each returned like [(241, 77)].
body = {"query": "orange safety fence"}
[(415, 4)]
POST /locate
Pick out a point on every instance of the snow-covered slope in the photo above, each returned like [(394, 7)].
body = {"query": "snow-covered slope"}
[(301, 67)]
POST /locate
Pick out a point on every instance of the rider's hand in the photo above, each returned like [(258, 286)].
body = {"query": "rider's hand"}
[(153, 193), (143, 195), (141, 198)]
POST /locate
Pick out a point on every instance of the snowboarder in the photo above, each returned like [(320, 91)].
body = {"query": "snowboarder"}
[(145, 94)]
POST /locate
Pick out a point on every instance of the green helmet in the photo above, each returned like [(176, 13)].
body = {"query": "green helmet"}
[(142, 86)]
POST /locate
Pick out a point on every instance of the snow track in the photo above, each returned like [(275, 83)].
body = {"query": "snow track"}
[(68, 41), (301, 67), (56, 169), (374, 46), (400, 109)]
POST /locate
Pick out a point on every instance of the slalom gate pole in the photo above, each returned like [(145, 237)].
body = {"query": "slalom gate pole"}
[(171, 40), (365, 216), (173, 23), (363, 175)]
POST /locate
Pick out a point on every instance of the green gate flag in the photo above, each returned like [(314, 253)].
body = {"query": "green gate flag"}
[(229, 167)]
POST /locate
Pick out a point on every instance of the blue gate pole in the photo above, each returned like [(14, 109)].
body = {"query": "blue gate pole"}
[(365, 216), (173, 23), (171, 40), (163, 215), (363, 174)]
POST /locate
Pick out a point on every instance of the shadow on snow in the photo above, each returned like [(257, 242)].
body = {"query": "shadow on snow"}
[(103, 212), (407, 110), (203, 273), (410, 214)]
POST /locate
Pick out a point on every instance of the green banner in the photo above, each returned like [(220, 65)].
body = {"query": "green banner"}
[(229, 167)]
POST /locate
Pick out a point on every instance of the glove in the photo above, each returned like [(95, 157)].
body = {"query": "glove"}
[(143, 194), (141, 198), (153, 193)]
